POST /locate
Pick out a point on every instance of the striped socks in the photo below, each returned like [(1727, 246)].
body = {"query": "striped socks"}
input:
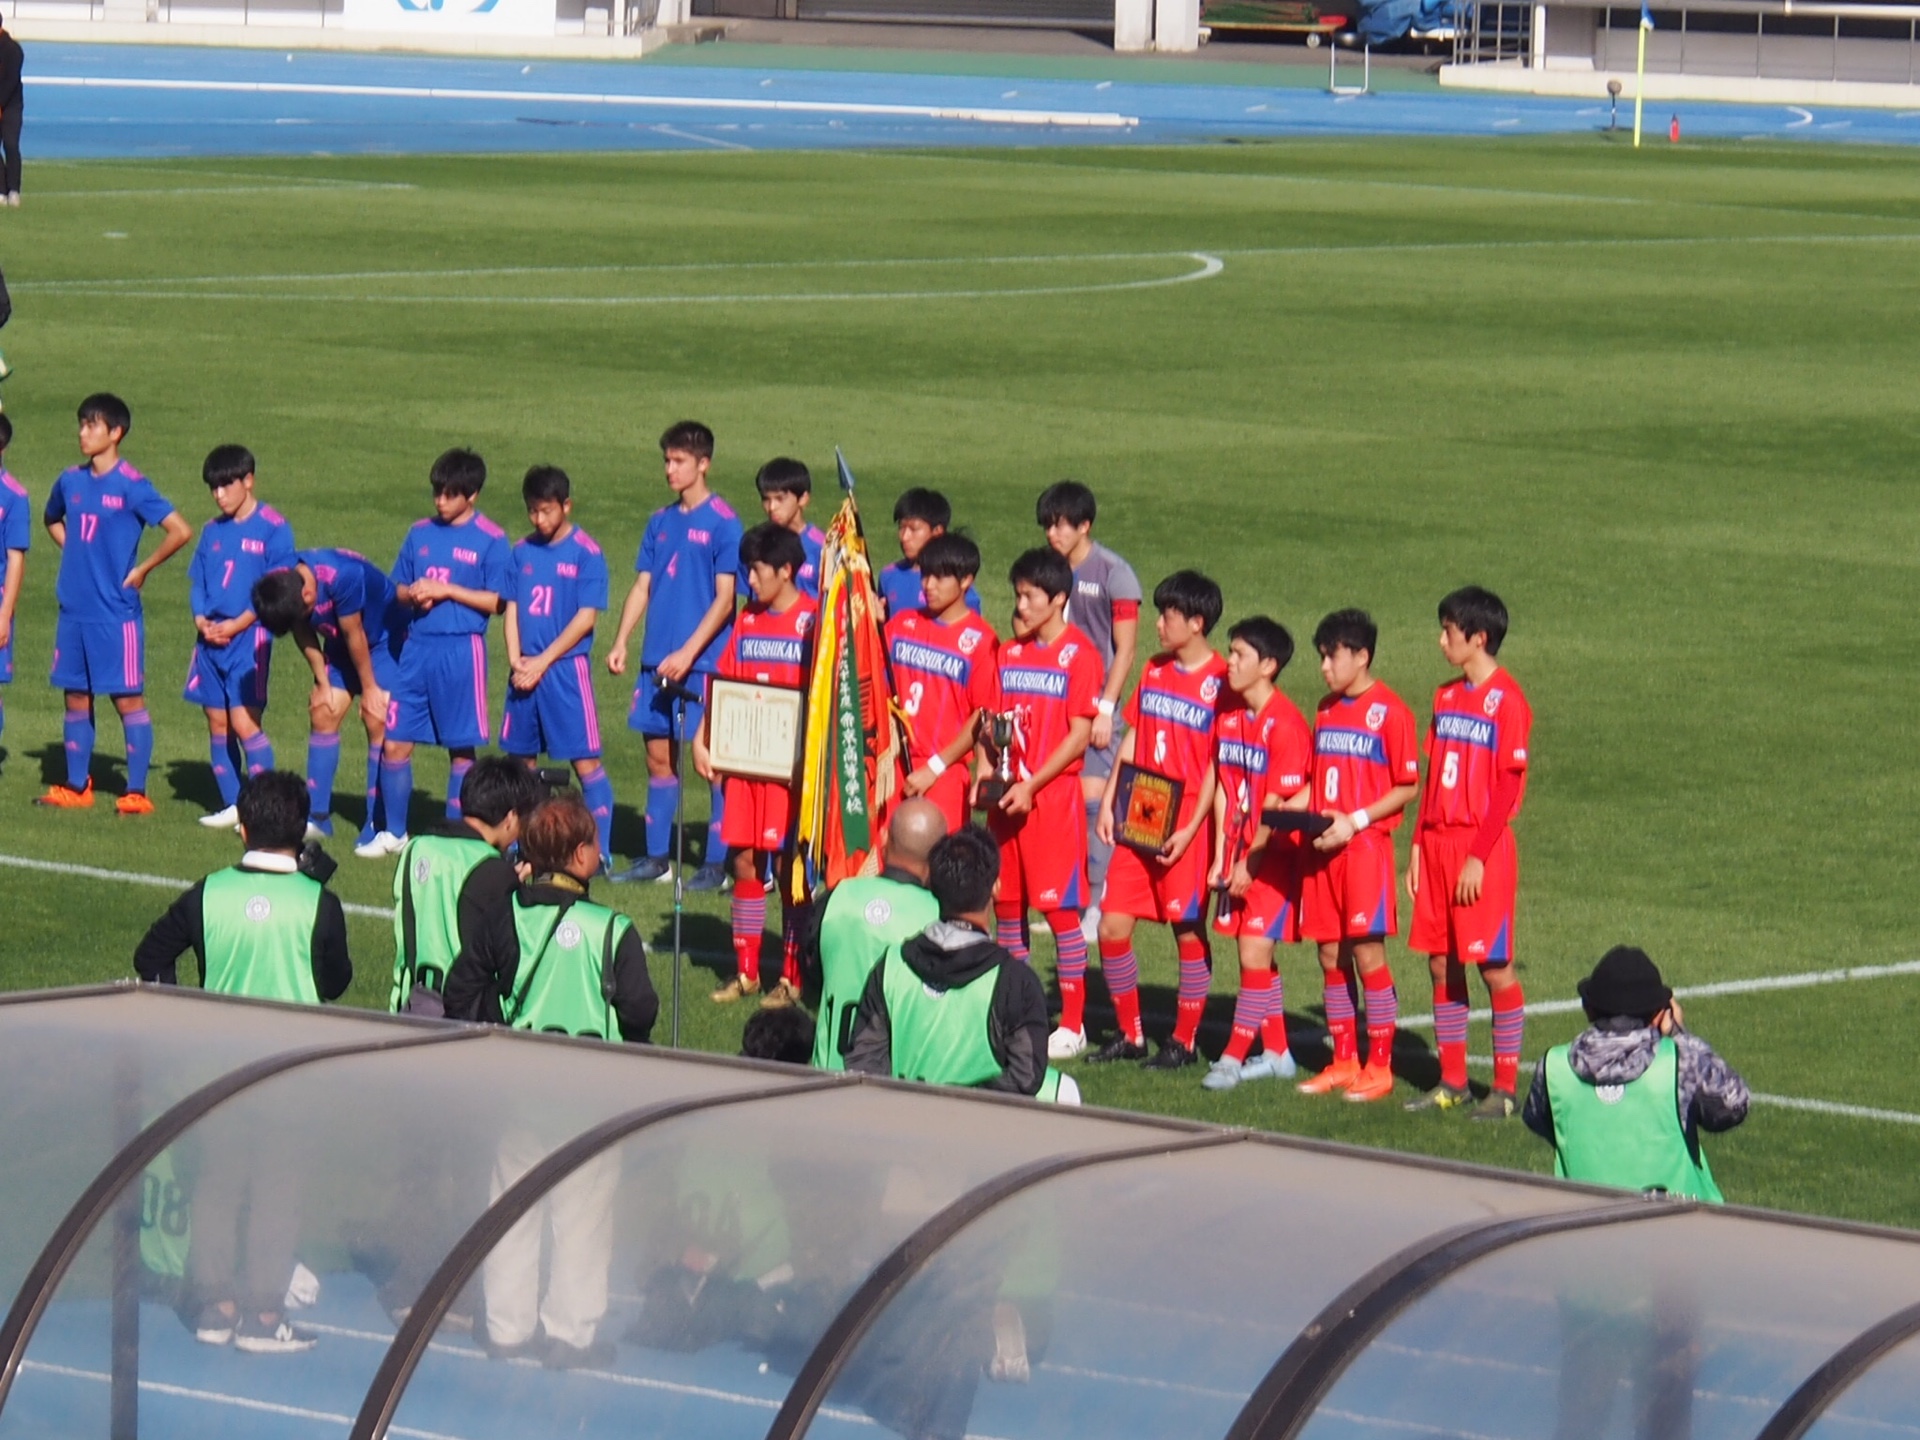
[(1196, 975), (1249, 1011), (1341, 1028), (1070, 967), (1123, 983), (457, 768), (323, 763), (1383, 1016), (749, 923), (224, 779), (1450, 1033), (1011, 926), (1273, 1026), (1509, 1022), (790, 914), (138, 726), (77, 734)]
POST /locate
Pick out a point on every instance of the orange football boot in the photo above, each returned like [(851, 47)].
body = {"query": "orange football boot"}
[(1337, 1076), (59, 797), (133, 803), (1375, 1082)]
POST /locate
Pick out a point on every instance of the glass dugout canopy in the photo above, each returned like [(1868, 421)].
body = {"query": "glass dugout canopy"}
[(489, 1234)]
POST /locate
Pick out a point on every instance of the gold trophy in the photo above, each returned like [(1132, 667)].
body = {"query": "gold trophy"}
[(1000, 731)]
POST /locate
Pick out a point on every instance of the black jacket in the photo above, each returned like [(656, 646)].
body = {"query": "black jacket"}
[(11, 60), (490, 961), (183, 928), (947, 955)]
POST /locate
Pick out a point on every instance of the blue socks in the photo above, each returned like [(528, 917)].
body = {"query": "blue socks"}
[(663, 798), (221, 753), (258, 753), (716, 808), (396, 792), (373, 794), (323, 763), (78, 732), (457, 769), (598, 790), (138, 726)]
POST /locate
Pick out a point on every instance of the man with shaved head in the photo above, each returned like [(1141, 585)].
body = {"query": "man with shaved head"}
[(862, 917)]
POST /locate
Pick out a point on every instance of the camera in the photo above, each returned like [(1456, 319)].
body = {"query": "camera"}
[(555, 777), (315, 863)]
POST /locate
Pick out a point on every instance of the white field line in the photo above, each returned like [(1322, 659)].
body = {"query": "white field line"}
[(158, 882), (1073, 119), (276, 189), (1782, 1102)]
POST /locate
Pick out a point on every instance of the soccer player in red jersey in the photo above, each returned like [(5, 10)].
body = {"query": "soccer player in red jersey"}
[(771, 644), (1264, 749), (1366, 770), (945, 673), (1169, 733), (1050, 678), (1464, 872)]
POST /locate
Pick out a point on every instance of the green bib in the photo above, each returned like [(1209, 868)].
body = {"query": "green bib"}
[(863, 919), (166, 1220), (1626, 1135), (259, 935), (426, 910), (1049, 1093), (939, 1036), (564, 984)]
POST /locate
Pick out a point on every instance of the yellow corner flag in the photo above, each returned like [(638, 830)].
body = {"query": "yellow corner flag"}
[(1640, 71)]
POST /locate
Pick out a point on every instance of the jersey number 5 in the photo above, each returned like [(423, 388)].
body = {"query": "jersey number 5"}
[(1450, 770)]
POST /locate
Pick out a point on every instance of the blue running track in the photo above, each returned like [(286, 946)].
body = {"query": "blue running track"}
[(148, 101)]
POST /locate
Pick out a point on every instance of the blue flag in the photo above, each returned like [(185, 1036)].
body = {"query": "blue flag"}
[(1646, 16)]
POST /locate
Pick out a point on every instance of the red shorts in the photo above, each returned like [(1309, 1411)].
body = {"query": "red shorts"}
[(951, 791), (1270, 910), (759, 814), (1140, 886), (1348, 895), (1043, 854), (1476, 934)]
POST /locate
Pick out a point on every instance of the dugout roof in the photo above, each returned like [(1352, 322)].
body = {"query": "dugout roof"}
[(804, 1255)]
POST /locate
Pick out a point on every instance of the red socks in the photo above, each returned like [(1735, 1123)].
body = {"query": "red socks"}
[(1383, 1016), (1196, 974), (1123, 983), (1249, 1011), (749, 920), (1509, 1021)]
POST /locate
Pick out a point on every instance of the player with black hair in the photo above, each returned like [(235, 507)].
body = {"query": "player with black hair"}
[(786, 487), (920, 516), (1366, 771), (949, 1006), (1169, 737), (1464, 872)]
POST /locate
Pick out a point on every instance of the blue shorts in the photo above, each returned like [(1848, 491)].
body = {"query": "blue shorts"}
[(100, 657), (652, 712), (557, 717), (6, 663), (440, 695), (342, 676), (231, 676)]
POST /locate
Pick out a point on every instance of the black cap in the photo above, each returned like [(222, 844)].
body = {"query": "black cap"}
[(1625, 982)]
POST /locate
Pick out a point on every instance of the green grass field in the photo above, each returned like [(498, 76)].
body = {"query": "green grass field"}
[(1663, 402)]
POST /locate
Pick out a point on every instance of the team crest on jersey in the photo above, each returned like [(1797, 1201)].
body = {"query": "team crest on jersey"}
[(259, 908), (422, 868), (878, 912), (1491, 704), (567, 937), (969, 641), (1067, 652), (1210, 689), (1609, 1094), (802, 624), (1376, 716)]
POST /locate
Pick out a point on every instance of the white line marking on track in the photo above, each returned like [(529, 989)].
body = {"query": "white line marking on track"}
[(679, 134), (1806, 118), (1071, 119), (158, 882)]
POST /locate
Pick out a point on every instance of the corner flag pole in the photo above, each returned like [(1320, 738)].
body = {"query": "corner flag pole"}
[(1640, 71)]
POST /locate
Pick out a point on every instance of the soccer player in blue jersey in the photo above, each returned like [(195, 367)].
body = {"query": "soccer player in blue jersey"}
[(342, 612), (785, 487), (228, 676), (918, 515), (559, 592), (96, 514), (16, 532), (454, 573), (685, 580)]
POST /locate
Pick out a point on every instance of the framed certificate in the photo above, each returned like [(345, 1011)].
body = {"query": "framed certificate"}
[(1146, 809), (754, 730)]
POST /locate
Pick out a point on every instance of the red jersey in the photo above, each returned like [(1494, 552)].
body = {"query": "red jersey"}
[(1479, 732), (942, 674), (1171, 716), (770, 647), (1268, 755), (1048, 687), (1363, 746)]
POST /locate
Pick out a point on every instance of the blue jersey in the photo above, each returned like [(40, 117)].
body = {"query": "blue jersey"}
[(347, 583), (812, 540), (900, 588), (686, 552), (231, 555), (553, 582), (104, 515), (16, 517), (474, 554)]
